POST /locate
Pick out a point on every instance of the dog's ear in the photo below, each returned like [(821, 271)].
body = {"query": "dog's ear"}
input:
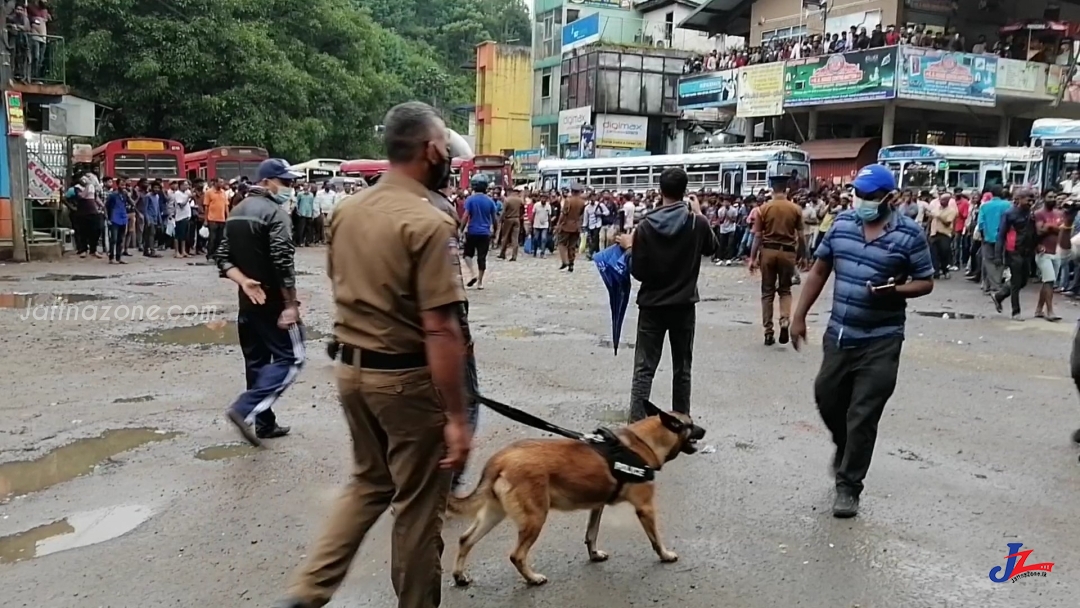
[(651, 409), (670, 422)]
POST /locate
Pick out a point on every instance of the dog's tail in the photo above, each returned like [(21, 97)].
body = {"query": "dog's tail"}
[(467, 506)]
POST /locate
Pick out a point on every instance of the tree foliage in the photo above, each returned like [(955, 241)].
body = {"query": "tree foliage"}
[(303, 78)]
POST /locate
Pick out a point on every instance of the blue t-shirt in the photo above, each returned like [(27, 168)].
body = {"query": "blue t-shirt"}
[(482, 212)]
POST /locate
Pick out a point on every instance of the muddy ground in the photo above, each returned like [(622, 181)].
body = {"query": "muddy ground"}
[(134, 494)]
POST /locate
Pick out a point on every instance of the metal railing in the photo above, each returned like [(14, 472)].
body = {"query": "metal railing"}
[(37, 58)]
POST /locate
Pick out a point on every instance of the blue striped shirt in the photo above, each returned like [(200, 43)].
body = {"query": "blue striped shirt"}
[(858, 317)]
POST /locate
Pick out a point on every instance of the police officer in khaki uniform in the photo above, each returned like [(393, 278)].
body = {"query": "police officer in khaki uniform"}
[(778, 233), (391, 261), (568, 228)]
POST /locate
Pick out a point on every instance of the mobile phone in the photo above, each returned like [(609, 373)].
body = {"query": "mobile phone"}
[(890, 284)]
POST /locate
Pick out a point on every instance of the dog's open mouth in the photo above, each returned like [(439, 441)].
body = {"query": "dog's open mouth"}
[(690, 445)]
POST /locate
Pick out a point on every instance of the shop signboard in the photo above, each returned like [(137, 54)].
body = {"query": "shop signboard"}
[(708, 90), (948, 77), (841, 78)]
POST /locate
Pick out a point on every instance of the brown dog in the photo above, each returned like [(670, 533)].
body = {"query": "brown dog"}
[(528, 478)]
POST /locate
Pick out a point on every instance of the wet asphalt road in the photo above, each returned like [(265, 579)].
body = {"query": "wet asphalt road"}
[(973, 454)]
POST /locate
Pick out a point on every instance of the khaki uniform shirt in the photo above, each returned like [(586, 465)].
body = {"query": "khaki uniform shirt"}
[(513, 208), (780, 222), (391, 256), (572, 212)]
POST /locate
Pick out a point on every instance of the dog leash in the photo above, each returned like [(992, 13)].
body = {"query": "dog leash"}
[(528, 419)]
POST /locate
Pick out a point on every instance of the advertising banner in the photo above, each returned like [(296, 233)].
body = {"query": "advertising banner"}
[(526, 162), (1021, 78), (570, 122), (708, 90), (623, 4), (944, 76), (42, 185), (587, 144), (582, 32), (760, 90), (619, 131), (840, 78)]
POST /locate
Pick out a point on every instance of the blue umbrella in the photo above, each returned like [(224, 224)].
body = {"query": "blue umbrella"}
[(614, 266)]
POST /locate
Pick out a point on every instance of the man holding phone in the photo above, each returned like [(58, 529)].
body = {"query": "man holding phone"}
[(881, 259)]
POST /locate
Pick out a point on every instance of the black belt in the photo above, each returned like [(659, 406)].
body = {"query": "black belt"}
[(778, 247), (370, 359)]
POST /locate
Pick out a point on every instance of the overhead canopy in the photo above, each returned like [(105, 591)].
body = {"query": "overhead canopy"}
[(720, 17), (835, 149)]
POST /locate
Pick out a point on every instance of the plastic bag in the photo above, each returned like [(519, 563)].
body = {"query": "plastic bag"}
[(204, 232), (170, 228), (528, 245)]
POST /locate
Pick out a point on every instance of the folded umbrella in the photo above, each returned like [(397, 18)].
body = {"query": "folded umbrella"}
[(614, 266)]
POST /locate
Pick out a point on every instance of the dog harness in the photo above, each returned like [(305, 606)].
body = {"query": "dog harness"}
[(626, 465)]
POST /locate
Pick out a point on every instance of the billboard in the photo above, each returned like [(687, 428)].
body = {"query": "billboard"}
[(760, 90), (582, 32), (948, 77), (621, 131), (623, 4), (570, 122), (840, 78), (708, 90), (526, 162)]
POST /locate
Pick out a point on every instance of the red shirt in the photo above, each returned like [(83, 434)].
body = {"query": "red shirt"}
[(892, 38), (963, 209)]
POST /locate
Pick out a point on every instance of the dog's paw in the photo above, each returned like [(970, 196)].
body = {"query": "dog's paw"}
[(461, 579), (537, 580), (669, 557), (598, 556)]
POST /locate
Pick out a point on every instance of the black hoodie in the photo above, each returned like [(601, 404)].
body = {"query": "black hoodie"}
[(666, 256)]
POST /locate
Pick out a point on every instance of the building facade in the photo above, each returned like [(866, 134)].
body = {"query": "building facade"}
[(503, 99)]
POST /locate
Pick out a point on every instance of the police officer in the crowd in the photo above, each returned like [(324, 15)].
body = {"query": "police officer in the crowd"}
[(256, 253), (778, 234), (568, 227), (391, 262)]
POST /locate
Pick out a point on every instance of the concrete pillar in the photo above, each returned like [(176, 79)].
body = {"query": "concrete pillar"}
[(750, 124), (1003, 130), (777, 124), (888, 124), (811, 124)]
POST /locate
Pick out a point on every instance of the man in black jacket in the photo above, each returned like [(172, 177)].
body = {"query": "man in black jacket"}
[(256, 253), (666, 250)]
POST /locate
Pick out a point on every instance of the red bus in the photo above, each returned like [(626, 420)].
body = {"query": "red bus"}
[(228, 163), (494, 167), (141, 158)]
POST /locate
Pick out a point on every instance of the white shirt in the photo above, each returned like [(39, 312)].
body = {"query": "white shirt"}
[(592, 215), (182, 202), (324, 201), (628, 209), (541, 216)]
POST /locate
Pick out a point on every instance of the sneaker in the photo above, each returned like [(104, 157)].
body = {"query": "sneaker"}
[(563, 267), (241, 425), (273, 433), (845, 506), (997, 303), (769, 340), (570, 268)]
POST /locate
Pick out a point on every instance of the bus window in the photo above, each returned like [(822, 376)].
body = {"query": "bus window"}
[(921, 176), (895, 168), (550, 181), (705, 175), (571, 176), (1018, 173), (757, 175), (601, 178), (993, 178), (130, 166), (162, 166), (963, 175), (630, 177)]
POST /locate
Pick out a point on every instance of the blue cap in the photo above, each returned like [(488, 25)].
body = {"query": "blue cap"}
[(275, 168), (873, 178)]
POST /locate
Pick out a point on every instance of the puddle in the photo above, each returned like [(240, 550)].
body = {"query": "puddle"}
[(7, 279), (225, 450), (139, 399), (742, 322), (946, 315), (72, 460), (214, 333), (613, 416), (78, 530), (30, 300), (517, 332), (150, 283), (74, 277)]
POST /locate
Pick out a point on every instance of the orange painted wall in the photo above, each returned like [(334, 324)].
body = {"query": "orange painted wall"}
[(6, 224)]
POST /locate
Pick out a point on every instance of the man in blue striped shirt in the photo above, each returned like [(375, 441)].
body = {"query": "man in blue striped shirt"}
[(881, 259)]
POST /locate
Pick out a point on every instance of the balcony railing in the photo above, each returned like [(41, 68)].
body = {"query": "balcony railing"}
[(36, 58)]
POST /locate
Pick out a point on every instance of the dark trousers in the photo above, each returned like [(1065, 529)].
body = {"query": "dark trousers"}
[(194, 241), (593, 240), (217, 230), (88, 233), (725, 245), (941, 253), (149, 237), (117, 234), (1074, 357), (678, 323), (272, 358), (1018, 269), (302, 228), (851, 390)]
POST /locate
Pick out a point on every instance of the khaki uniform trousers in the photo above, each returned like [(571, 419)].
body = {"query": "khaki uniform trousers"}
[(396, 421), (777, 272), (568, 243), (510, 233)]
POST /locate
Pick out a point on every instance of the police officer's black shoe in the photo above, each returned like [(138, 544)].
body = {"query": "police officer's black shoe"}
[(273, 432), (769, 340), (563, 267), (570, 268), (784, 335), (846, 505)]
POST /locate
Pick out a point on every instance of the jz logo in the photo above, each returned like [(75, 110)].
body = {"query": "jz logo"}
[(1016, 566)]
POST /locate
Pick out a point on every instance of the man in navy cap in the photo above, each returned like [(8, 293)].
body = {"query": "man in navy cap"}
[(881, 259), (256, 253)]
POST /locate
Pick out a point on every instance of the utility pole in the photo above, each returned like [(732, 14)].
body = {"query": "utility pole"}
[(16, 168)]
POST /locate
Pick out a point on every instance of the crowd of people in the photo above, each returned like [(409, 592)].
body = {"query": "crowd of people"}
[(112, 217), (861, 38), (26, 38)]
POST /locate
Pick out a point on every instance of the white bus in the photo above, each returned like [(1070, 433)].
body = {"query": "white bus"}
[(319, 169), (922, 167), (1059, 139), (740, 169)]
